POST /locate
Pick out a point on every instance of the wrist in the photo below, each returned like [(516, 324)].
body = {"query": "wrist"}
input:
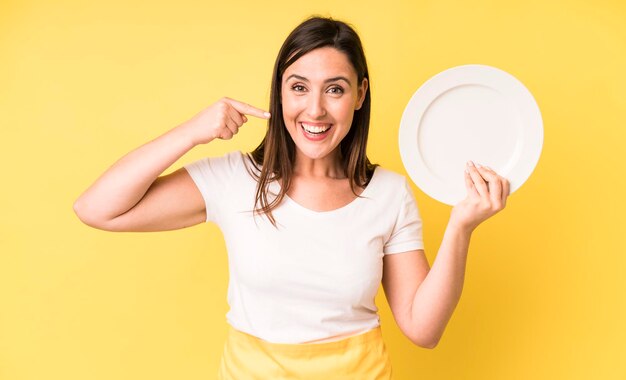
[(460, 228), (186, 132)]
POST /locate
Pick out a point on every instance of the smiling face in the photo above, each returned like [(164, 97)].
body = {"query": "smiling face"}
[(320, 92)]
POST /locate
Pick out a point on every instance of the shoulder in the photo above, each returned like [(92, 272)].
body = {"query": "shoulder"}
[(387, 180), (388, 188), (230, 161), (221, 171), (234, 159), (389, 174)]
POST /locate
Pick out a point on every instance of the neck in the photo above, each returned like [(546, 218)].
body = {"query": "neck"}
[(326, 167)]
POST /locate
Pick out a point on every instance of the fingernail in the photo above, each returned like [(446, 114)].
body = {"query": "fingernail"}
[(470, 163), (267, 114), (478, 165)]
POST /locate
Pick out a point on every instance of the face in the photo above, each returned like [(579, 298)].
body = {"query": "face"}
[(319, 95)]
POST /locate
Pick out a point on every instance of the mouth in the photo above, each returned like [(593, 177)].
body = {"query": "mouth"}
[(315, 131)]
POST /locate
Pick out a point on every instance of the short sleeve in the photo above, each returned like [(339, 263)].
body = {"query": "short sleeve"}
[(213, 176), (407, 231)]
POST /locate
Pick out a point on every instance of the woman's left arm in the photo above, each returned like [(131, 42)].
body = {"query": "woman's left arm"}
[(423, 299)]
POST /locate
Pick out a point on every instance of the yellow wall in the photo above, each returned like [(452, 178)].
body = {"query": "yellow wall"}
[(82, 84)]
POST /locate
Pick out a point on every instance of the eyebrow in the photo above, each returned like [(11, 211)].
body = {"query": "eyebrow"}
[(333, 79)]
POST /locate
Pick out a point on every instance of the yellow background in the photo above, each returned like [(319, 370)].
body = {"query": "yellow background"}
[(82, 84)]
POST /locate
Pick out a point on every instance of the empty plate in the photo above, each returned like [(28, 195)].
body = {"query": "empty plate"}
[(470, 112)]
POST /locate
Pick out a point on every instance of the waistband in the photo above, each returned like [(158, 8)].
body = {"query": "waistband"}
[(368, 337)]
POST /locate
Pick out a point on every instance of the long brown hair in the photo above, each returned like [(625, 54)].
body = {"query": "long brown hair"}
[(274, 157)]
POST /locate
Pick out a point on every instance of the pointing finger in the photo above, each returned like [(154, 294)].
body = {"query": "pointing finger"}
[(247, 109)]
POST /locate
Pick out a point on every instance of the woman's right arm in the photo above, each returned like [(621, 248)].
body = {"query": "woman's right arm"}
[(130, 195)]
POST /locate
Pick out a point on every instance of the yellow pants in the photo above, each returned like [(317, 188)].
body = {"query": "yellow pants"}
[(362, 357)]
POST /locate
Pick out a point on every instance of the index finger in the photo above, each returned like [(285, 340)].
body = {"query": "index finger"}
[(247, 109)]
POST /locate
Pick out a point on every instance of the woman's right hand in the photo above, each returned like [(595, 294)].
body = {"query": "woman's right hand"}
[(130, 195), (221, 120)]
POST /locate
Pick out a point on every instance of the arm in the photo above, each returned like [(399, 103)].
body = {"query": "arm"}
[(423, 299), (130, 195)]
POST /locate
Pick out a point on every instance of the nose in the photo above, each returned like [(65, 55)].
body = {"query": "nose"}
[(316, 108)]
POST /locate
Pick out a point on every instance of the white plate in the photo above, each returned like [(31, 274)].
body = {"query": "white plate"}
[(470, 112)]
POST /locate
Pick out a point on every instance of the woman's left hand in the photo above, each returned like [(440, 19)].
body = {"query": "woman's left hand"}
[(486, 195)]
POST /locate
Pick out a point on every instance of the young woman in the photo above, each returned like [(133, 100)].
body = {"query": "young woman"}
[(311, 226)]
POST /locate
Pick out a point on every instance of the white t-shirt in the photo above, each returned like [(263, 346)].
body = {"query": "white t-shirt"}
[(317, 275)]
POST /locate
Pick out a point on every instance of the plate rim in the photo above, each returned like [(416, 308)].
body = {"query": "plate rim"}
[(524, 102)]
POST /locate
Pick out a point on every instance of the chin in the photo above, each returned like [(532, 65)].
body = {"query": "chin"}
[(315, 154)]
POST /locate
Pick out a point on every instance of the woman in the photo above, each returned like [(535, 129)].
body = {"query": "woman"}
[(311, 226)]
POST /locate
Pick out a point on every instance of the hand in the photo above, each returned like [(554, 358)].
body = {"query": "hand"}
[(486, 195), (221, 120)]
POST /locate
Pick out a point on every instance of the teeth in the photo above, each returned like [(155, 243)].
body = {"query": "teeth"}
[(315, 129)]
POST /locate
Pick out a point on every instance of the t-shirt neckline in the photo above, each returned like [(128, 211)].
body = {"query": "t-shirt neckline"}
[(343, 208), (288, 201)]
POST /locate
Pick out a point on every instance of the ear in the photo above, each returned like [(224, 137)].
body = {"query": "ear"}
[(362, 90)]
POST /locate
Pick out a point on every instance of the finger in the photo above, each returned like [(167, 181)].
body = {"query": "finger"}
[(228, 122), (506, 186), (494, 182), (478, 180), (248, 109), (231, 125), (506, 191), (236, 116), (226, 134), (469, 185)]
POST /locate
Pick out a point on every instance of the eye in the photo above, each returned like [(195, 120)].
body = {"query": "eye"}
[(336, 90), (297, 87)]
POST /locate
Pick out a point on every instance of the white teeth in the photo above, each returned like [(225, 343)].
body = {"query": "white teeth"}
[(315, 129)]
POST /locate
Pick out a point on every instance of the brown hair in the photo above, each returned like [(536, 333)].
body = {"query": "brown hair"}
[(274, 157)]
